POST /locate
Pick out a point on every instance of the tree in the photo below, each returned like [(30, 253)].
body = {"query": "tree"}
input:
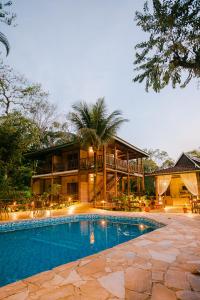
[(172, 51), (194, 153), (6, 17), (157, 159), (53, 130), (17, 135), (95, 127), (16, 93)]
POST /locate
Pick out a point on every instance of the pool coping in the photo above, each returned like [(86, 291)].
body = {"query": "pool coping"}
[(154, 256)]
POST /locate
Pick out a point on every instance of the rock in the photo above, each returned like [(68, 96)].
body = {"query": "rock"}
[(138, 280), (187, 295), (194, 282), (177, 280), (161, 292), (114, 283)]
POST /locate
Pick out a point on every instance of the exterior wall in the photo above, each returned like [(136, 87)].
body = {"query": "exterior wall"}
[(36, 186), (83, 188), (65, 180)]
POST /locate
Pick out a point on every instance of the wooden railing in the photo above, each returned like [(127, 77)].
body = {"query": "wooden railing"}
[(91, 164), (122, 165)]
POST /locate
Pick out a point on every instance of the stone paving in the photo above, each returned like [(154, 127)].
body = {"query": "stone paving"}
[(161, 265)]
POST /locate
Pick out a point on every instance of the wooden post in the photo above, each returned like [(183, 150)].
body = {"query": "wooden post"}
[(143, 182), (156, 186), (52, 169), (128, 177), (104, 173), (138, 185), (115, 162)]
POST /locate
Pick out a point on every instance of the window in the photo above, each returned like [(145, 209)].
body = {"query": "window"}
[(72, 188)]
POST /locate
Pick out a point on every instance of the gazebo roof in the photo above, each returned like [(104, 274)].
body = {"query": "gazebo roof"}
[(184, 164)]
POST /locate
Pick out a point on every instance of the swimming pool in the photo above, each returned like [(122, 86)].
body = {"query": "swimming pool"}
[(30, 247)]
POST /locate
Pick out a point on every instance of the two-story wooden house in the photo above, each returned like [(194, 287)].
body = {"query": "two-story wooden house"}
[(73, 169)]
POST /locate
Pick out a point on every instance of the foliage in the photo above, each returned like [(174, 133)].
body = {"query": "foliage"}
[(172, 51), (17, 135), (7, 18), (51, 131), (16, 93), (93, 125), (194, 153), (157, 159)]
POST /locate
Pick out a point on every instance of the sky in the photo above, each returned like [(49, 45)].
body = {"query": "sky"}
[(84, 50)]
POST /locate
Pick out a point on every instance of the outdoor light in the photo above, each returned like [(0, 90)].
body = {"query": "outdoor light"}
[(90, 149), (142, 227), (32, 203), (103, 222), (91, 177), (14, 203), (69, 198), (92, 238)]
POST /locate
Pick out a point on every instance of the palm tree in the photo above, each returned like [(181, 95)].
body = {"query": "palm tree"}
[(95, 127), (6, 17), (5, 42)]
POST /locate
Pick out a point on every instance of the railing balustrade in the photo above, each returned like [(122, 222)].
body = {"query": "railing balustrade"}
[(90, 163), (122, 165)]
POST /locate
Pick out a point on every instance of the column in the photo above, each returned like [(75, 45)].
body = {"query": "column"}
[(104, 173)]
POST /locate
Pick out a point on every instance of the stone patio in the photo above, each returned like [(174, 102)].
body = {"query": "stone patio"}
[(161, 265)]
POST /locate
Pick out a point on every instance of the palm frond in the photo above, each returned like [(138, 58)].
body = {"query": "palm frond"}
[(5, 42)]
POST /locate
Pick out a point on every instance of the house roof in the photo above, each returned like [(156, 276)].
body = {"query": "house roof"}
[(185, 163), (71, 144)]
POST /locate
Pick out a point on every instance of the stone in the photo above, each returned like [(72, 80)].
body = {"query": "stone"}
[(161, 292), (194, 282), (40, 278), (163, 256), (73, 277), (114, 283), (187, 295), (131, 295), (157, 275), (176, 280), (95, 266), (57, 293), (19, 296), (138, 280), (143, 243), (93, 290)]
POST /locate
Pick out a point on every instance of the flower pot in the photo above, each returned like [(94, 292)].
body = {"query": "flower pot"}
[(147, 209), (185, 210)]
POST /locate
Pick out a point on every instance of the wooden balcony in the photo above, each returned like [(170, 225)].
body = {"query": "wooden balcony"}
[(90, 163), (123, 165)]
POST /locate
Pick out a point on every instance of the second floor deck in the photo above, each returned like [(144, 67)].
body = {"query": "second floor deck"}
[(132, 166)]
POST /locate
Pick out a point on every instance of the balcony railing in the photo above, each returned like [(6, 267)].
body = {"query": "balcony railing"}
[(122, 165), (90, 163)]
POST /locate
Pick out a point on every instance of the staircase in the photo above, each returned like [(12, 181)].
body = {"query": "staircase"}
[(109, 185)]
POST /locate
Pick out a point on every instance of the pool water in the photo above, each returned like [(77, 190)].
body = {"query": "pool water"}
[(25, 252)]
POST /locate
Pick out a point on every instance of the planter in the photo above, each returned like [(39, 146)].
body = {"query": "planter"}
[(147, 209)]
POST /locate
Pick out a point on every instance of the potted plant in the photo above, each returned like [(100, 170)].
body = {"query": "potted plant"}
[(185, 209), (147, 207)]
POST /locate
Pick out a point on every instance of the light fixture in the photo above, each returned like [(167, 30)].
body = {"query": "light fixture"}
[(91, 177), (141, 226), (92, 240), (103, 223), (90, 150)]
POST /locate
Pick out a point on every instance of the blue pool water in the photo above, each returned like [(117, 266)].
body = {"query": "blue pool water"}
[(30, 247)]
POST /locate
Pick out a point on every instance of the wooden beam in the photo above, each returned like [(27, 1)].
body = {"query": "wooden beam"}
[(156, 185), (128, 177)]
